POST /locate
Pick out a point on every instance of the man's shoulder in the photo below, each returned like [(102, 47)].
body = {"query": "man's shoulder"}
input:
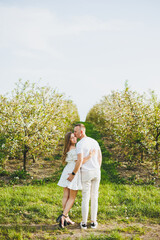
[(92, 139), (79, 142), (93, 142), (87, 139)]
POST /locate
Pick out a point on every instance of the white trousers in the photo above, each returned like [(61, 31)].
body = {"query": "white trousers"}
[(90, 186)]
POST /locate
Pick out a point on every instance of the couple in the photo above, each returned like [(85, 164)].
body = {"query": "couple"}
[(87, 156)]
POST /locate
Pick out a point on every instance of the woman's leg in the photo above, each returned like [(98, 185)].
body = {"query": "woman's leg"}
[(69, 204), (64, 201), (65, 198)]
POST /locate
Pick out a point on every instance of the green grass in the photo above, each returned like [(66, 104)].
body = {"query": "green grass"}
[(112, 236), (42, 204), (26, 204), (129, 202)]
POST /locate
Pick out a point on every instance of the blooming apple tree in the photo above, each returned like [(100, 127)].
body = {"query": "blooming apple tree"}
[(33, 120), (132, 121)]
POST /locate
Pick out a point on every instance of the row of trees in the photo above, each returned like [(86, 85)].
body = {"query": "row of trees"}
[(32, 121), (131, 121)]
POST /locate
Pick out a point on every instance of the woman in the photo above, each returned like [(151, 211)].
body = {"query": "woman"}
[(70, 188)]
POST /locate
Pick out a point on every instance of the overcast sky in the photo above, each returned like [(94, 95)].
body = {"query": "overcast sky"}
[(83, 48)]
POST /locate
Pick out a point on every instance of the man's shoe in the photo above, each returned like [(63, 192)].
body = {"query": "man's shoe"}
[(94, 225), (83, 225)]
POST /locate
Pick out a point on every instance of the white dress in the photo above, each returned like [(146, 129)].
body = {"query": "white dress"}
[(75, 184)]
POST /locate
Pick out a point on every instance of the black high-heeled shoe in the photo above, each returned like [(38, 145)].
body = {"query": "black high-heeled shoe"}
[(59, 218), (64, 223)]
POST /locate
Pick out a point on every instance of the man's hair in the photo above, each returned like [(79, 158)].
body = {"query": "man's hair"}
[(82, 127)]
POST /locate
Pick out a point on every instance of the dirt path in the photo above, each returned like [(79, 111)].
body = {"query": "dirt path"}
[(127, 231)]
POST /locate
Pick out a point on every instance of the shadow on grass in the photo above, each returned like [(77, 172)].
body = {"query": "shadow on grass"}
[(35, 227)]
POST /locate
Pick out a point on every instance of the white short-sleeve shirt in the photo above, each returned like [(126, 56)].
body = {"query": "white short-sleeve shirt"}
[(84, 146)]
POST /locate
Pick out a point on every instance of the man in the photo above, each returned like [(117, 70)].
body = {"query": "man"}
[(90, 174)]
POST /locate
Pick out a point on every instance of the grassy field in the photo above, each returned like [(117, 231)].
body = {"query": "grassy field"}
[(125, 211)]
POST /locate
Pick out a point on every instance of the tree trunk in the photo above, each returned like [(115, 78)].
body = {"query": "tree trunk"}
[(34, 158), (25, 157), (157, 155), (157, 167)]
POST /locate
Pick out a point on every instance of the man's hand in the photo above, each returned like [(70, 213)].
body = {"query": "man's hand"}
[(70, 178)]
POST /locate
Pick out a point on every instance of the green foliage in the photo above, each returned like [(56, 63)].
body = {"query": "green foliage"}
[(4, 173), (20, 174)]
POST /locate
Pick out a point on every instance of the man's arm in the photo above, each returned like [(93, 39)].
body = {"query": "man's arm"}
[(100, 157), (77, 166)]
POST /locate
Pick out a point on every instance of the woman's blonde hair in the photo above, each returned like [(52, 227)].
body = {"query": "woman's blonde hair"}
[(67, 144)]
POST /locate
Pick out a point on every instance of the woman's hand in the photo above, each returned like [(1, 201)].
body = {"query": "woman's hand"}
[(92, 152)]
